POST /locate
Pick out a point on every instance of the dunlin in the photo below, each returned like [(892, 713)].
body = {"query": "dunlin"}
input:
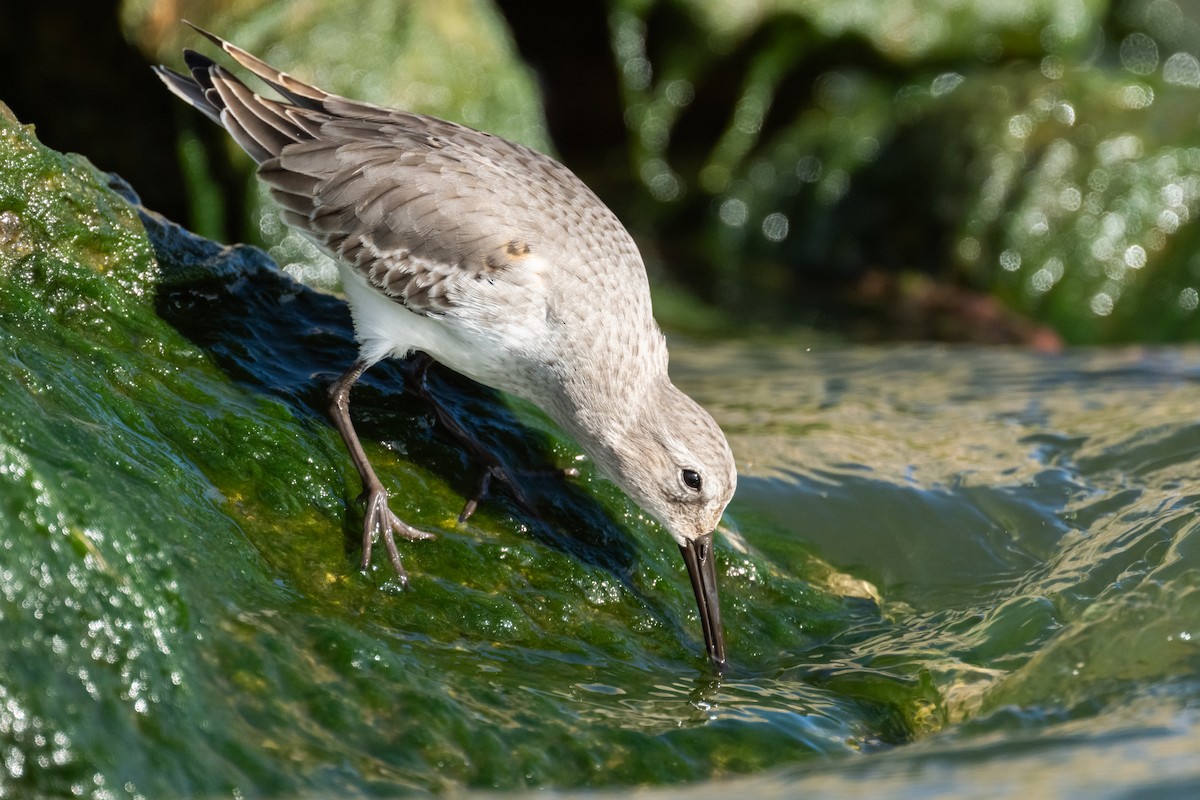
[(496, 261)]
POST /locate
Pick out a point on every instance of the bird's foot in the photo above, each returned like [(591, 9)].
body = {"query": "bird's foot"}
[(494, 471), (379, 520)]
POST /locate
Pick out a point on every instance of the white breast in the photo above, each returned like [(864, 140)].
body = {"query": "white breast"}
[(486, 346)]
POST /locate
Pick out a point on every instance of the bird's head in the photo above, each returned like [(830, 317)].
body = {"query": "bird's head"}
[(673, 460)]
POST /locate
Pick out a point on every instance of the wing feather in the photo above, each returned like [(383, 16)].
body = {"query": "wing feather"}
[(426, 209)]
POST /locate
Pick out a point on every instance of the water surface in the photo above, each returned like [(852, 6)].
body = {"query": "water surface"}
[(1028, 525), (947, 572)]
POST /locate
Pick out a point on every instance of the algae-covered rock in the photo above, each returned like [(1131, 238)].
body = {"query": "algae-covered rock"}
[(180, 608), (107, 527)]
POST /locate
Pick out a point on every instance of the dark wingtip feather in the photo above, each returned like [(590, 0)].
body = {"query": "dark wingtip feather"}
[(186, 89), (259, 125), (196, 60), (200, 66)]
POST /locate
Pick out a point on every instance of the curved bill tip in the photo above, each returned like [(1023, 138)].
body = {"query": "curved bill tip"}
[(701, 567)]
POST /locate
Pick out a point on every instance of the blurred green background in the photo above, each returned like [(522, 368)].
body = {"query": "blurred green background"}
[(959, 170), (948, 571)]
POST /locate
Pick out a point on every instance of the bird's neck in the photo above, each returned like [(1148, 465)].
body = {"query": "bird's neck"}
[(605, 429)]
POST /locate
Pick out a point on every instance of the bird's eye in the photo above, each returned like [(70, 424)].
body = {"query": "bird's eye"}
[(691, 479)]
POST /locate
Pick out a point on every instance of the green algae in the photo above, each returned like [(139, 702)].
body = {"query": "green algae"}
[(181, 607)]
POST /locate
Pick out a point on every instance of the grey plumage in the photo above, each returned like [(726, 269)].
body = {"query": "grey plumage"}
[(495, 260)]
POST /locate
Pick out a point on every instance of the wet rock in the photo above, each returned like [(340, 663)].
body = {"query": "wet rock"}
[(179, 546)]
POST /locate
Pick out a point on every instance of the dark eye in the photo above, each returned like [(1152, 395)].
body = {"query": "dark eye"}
[(691, 479)]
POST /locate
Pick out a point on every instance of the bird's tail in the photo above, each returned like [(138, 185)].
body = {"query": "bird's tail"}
[(261, 126)]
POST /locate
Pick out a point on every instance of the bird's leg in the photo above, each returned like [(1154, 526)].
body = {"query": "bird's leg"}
[(378, 518), (492, 468)]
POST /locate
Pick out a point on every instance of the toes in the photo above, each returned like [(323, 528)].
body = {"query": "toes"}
[(402, 528), (480, 493), (379, 520)]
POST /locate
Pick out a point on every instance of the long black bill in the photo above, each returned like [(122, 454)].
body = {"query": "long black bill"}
[(701, 567)]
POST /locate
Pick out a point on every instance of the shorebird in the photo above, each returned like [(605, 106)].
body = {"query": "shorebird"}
[(496, 261)]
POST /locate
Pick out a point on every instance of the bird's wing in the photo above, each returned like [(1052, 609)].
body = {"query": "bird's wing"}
[(426, 209)]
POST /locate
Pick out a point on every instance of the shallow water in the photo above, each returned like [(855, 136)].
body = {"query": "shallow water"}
[(1028, 522), (946, 573)]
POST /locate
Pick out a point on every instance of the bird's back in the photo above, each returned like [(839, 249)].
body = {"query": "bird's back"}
[(479, 232)]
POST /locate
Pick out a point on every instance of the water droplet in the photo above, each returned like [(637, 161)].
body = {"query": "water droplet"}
[(664, 184), (680, 93), (834, 187), (748, 115), (1070, 199), (1052, 67), (1168, 221), (945, 83), (808, 169), (775, 227), (638, 73), (1038, 224), (1102, 304), (1139, 54), (867, 149), (733, 212), (1172, 194), (1020, 126), (1182, 69), (1044, 279), (1136, 96)]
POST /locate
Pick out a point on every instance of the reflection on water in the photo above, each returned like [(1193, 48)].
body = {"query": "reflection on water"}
[(1029, 523), (787, 710)]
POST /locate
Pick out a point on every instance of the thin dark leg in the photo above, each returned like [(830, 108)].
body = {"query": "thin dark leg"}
[(492, 468), (378, 518)]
